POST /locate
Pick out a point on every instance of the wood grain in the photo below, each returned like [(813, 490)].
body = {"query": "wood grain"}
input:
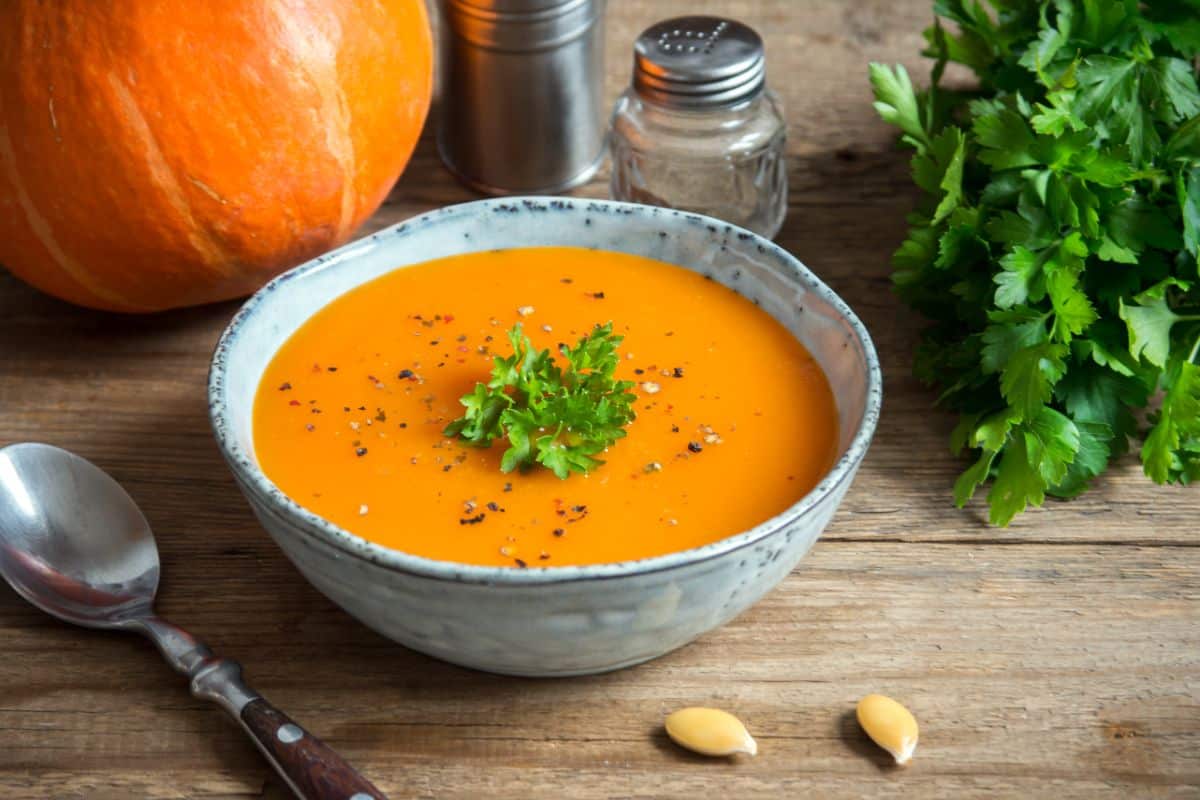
[(1058, 658)]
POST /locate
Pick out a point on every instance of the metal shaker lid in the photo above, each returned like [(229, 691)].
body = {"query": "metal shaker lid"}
[(517, 6), (698, 62), (521, 25)]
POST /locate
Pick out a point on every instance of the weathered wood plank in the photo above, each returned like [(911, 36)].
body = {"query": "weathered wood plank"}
[(1064, 666), (1058, 658)]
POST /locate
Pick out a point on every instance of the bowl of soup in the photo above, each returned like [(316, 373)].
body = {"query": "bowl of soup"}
[(757, 393)]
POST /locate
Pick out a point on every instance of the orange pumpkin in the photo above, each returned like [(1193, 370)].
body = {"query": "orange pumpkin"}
[(171, 153)]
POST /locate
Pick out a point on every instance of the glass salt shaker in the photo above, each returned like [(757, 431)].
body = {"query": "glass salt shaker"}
[(698, 129)]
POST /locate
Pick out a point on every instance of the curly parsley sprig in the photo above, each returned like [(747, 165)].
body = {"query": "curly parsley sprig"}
[(556, 416), (1055, 250)]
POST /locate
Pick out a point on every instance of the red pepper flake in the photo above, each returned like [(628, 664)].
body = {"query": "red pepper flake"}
[(360, 451), (285, 387), (695, 447), (670, 333), (544, 556), (293, 402), (310, 427), (331, 369), (316, 410), (447, 318), (567, 280), (346, 409), (598, 295), (463, 349)]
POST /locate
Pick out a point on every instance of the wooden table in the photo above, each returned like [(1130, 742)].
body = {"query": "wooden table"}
[(1058, 658)]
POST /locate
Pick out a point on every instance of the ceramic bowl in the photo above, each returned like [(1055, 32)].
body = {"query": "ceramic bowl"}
[(563, 620)]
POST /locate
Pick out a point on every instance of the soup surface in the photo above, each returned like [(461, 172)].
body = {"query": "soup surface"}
[(735, 419)]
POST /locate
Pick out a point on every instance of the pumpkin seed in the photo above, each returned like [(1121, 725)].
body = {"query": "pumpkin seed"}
[(889, 724), (710, 732)]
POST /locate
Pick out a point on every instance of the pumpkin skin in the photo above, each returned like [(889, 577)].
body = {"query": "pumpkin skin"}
[(171, 153)]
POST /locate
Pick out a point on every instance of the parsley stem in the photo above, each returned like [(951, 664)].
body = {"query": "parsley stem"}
[(1195, 349)]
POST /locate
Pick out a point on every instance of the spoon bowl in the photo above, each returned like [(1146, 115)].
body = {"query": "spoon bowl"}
[(72, 541)]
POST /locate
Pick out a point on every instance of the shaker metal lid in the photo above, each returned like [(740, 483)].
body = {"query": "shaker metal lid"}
[(522, 26), (503, 7), (698, 62)]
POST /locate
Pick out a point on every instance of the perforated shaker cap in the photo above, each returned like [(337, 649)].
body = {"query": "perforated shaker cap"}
[(698, 62)]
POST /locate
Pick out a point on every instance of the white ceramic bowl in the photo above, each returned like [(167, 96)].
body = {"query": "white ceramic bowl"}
[(560, 620)]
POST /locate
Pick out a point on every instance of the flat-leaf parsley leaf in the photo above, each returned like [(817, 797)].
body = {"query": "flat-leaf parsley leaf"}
[(559, 416)]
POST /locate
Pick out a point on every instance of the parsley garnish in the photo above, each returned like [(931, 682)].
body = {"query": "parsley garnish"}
[(1055, 250), (559, 417)]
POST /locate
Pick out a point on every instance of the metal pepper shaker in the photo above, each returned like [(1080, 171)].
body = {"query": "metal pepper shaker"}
[(522, 109)]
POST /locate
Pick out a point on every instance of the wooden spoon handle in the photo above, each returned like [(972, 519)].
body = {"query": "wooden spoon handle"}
[(312, 769)]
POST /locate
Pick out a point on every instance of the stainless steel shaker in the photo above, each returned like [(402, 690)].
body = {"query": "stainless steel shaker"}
[(521, 101)]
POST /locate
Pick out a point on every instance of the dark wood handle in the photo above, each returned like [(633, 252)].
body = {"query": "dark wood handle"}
[(311, 767)]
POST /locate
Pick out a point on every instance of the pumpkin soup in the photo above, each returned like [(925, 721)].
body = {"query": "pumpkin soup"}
[(734, 419)]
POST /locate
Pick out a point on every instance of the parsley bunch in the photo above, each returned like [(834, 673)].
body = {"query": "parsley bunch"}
[(557, 417), (1055, 250)]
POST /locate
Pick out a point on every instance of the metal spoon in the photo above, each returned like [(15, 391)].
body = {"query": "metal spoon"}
[(74, 544)]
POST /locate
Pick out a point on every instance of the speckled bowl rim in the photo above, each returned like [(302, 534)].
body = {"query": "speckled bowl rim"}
[(252, 479)]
